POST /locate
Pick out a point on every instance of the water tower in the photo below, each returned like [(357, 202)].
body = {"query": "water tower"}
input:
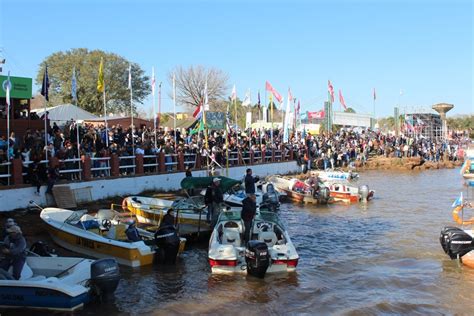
[(442, 109)]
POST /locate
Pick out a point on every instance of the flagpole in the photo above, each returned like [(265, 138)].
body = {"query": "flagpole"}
[(106, 125), (271, 117), (159, 110), (153, 96), (174, 109), (74, 99), (8, 99), (131, 109)]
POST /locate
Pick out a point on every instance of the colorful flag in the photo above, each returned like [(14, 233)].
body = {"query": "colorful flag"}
[(331, 91), (130, 77), (275, 93), (375, 96), (458, 201), (341, 100), (298, 107), (233, 95), (198, 112), (247, 101), (45, 85), (153, 82), (100, 80), (74, 85)]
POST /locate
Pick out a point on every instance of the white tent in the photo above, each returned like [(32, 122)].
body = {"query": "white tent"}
[(65, 112)]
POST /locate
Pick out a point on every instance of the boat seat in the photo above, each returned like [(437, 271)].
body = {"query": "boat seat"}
[(231, 237), (269, 238)]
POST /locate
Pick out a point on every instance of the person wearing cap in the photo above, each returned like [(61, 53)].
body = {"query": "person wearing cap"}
[(132, 232), (213, 199), (14, 250)]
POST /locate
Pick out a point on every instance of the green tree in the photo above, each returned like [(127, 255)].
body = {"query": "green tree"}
[(61, 64), (349, 110)]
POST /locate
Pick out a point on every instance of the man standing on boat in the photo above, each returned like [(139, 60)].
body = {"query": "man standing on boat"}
[(250, 182), (14, 250), (249, 208), (213, 199)]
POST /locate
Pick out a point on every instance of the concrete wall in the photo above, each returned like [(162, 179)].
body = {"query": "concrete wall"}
[(123, 186)]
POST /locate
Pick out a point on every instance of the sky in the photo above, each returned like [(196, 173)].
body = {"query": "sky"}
[(414, 53)]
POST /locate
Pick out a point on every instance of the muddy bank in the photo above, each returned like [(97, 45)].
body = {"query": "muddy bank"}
[(413, 163)]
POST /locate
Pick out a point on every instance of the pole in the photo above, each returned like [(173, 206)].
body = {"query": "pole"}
[(8, 125), (271, 118), (45, 130), (106, 125), (174, 109), (131, 111), (235, 111)]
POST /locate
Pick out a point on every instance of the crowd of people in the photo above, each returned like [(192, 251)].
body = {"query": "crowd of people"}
[(326, 150)]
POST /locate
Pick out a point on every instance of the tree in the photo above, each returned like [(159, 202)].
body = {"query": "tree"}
[(190, 84), (349, 110), (61, 64)]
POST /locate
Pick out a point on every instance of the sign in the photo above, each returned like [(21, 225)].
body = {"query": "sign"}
[(215, 120), (352, 119), (316, 115), (20, 87)]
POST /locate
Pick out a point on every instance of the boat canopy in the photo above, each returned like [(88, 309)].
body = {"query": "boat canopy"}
[(203, 182)]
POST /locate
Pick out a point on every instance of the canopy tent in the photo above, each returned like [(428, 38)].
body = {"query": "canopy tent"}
[(202, 182), (60, 114)]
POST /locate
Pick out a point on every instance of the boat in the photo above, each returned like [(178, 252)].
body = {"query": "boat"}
[(60, 283), (103, 235), (270, 249), (458, 243), (467, 168), (345, 191), (299, 191), (336, 175)]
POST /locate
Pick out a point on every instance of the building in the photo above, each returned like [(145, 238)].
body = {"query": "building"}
[(423, 124)]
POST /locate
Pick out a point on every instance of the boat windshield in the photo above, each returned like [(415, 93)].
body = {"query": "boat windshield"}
[(270, 217), (75, 217), (229, 216)]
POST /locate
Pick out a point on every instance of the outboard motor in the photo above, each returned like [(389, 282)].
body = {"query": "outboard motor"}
[(455, 242), (364, 192), (323, 195), (105, 277), (42, 249), (257, 258), (168, 242), (271, 197)]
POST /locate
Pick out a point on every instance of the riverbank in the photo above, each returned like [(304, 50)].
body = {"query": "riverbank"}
[(412, 163)]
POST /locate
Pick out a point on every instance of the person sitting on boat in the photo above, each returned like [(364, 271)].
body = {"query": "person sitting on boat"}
[(168, 219), (213, 199), (14, 250), (132, 232), (313, 183), (249, 208), (8, 223)]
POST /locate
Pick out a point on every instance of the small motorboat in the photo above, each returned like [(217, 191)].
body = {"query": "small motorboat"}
[(345, 191), (299, 191), (335, 175), (458, 243), (269, 250), (103, 235), (467, 169), (60, 283)]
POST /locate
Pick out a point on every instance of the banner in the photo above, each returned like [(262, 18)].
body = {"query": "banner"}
[(21, 88), (248, 120), (215, 120), (316, 115)]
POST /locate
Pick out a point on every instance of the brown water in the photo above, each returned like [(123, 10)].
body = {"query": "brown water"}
[(380, 258)]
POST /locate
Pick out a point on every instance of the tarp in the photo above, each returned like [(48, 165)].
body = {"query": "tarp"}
[(65, 112), (203, 182)]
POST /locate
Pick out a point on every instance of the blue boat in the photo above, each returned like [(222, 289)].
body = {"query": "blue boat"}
[(59, 283)]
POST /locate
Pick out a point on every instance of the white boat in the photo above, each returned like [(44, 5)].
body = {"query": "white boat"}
[(59, 283), (299, 191), (269, 250), (335, 175), (103, 236), (347, 192)]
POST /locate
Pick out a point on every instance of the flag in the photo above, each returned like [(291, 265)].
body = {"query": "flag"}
[(198, 127), (153, 81), (198, 111), (100, 80), (298, 107), (258, 102), (206, 100), (419, 121), (275, 93), (45, 85), (130, 77), (458, 201), (331, 91), (7, 85), (286, 122), (74, 85), (233, 95), (316, 115), (375, 96), (247, 101), (341, 100)]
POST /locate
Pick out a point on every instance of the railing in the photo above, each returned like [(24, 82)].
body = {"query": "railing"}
[(5, 172), (257, 157), (69, 167), (150, 163), (171, 162), (100, 167), (190, 160), (127, 165), (233, 158), (278, 155), (44, 162)]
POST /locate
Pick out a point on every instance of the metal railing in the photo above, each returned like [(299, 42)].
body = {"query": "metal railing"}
[(5, 172), (150, 163), (100, 167), (127, 165), (171, 162), (278, 155), (257, 156), (72, 171), (190, 160)]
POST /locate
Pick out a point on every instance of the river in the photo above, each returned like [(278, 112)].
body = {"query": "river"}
[(383, 257)]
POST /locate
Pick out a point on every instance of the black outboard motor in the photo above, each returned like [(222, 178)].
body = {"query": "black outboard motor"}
[(455, 242), (105, 277), (323, 195), (168, 242), (42, 249), (257, 258)]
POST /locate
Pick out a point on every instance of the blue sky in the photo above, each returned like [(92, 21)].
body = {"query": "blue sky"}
[(422, 48)]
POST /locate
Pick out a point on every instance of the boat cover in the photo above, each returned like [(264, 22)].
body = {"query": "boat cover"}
[(203, 182)]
